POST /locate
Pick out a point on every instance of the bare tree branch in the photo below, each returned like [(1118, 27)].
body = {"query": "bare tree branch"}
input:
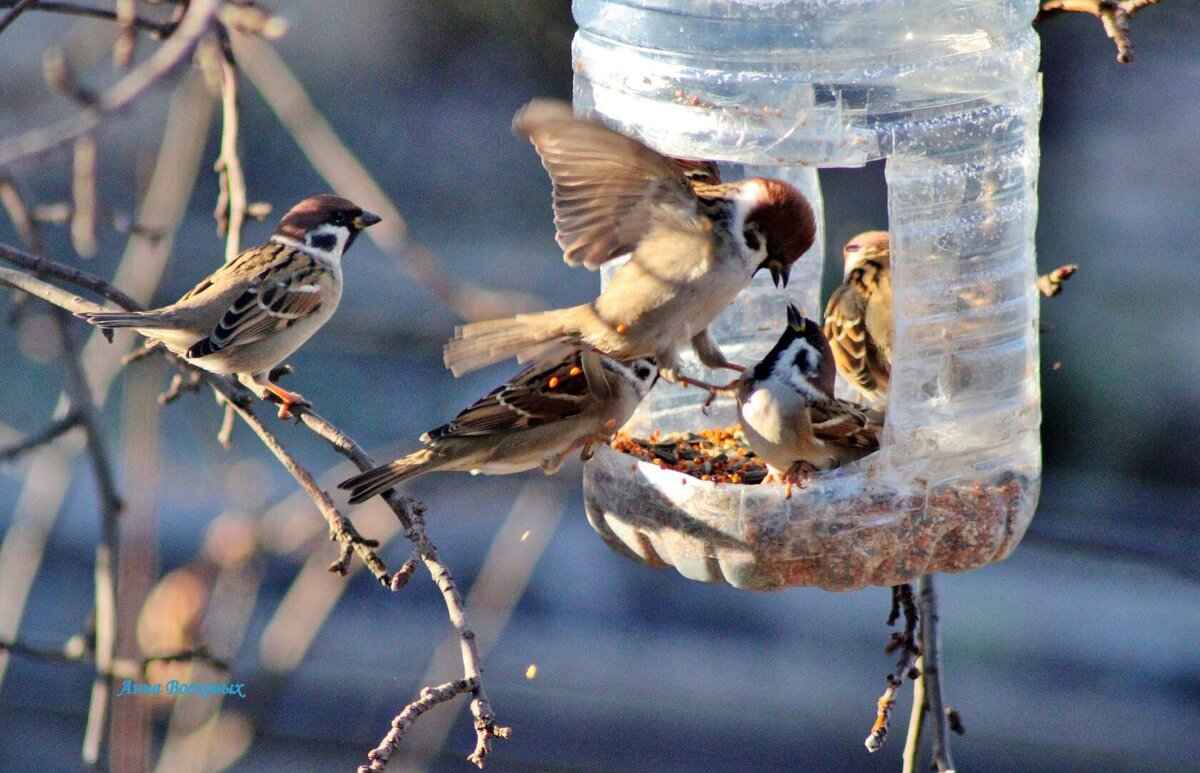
[(83, 197), (932, 674), (916, 723), (76, 651), (430, 697), (230, 211), (1115, 15), (17, 9), (906, 642), (42, 436), (159, 29)]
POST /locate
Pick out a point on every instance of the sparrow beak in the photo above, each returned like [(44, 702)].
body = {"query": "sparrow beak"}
[(795, 319), (779, 272), (365, 220)]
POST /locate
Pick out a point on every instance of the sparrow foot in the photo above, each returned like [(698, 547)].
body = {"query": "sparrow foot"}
[(285, 398), (798, 474)]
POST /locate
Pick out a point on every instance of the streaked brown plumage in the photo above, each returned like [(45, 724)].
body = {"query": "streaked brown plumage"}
[(858, 317), (692, 245), (789, 414), (255, 310), (537, 419)]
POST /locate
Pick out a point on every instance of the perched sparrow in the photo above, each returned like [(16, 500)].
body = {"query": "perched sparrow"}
[(258, 308), (789, 414), (693, 246), (858, 318), (536, 419)]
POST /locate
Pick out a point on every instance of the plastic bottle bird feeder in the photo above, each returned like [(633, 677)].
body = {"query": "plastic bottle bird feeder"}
[(949, 95)]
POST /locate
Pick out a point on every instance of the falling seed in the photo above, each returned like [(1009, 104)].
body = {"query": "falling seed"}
[(525, 536), (575, 371), (554, 382), (1056, 366), (531, 672), (622, 329)]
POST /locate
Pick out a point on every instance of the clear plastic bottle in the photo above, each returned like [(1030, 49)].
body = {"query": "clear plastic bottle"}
[(949, 94)]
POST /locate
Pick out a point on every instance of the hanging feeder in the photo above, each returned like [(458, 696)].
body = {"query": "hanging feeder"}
[(949, 95)]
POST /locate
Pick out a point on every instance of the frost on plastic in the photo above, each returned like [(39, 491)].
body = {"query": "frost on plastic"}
[(949, 94)]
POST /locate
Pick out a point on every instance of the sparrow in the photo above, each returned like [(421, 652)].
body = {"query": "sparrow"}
[(693, 243), (788, 412), (537, 419), (858, 317), (251, 313)]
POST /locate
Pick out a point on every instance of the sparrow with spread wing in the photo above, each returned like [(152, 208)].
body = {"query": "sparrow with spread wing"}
[(258, 308), (692, 243)]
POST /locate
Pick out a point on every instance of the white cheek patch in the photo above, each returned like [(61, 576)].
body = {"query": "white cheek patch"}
[(328, 241), (789, 371)]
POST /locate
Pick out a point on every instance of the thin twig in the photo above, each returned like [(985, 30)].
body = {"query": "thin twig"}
[(932, 674), (74, 651), (80, 395), (83, 197), (126, 13), (1115, 15), (230, 211), (45, 435), (18, 9), (430, 697), (916, 723), (411, 513), (82, 279), (77, 651), (906, 642), (22, 219), (225, 433), (197, 655), (196, 21), (159, 29)]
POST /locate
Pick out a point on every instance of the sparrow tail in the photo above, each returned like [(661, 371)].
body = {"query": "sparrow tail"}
[(115, 319), (366, 485), (525, 336)]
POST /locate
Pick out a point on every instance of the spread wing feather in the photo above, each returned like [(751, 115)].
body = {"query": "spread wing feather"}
[(603, 182)]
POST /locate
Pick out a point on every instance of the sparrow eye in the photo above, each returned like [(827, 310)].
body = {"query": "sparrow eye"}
[(339, 218), (750, 235)]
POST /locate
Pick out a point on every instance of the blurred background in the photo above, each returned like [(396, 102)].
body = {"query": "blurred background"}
[(1076, 653)]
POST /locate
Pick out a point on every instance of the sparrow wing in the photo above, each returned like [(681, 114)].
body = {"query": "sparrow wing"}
[(537, 395), (842, 423), (607, 187), (275, 301), (846, 329)]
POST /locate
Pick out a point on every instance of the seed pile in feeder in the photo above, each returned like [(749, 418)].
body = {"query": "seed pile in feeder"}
[(720, 455)]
